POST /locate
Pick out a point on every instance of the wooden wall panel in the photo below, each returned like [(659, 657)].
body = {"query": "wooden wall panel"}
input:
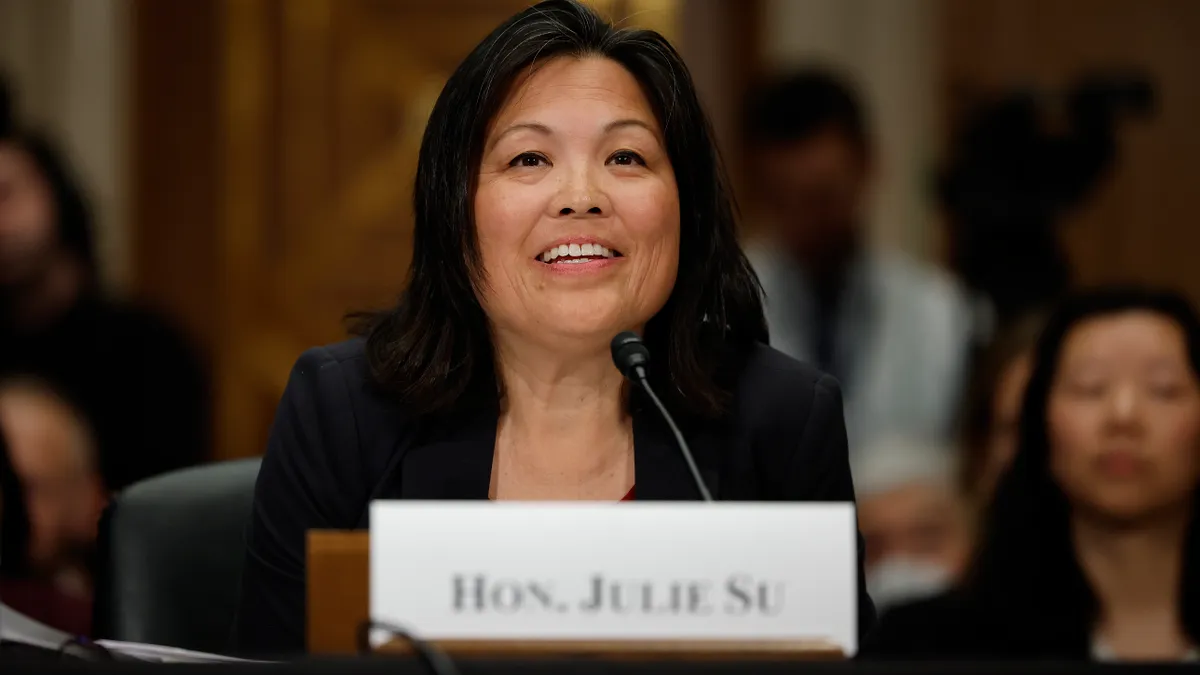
[(174, 160), (326, 102)]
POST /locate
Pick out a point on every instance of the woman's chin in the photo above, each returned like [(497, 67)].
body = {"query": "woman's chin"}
[(585, 332), (573, 331)]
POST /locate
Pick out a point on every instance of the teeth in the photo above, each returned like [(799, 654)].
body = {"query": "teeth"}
[(575, 251)]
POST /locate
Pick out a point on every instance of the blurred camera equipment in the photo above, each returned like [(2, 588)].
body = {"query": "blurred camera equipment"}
[(1017, 166)]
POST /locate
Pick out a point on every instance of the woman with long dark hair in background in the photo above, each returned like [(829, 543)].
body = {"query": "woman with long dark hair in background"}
[(1091, 547), (132, 373)]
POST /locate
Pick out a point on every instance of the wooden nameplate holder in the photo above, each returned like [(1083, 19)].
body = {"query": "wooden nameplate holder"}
[(339, 601)]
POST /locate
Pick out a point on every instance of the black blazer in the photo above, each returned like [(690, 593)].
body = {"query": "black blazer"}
[(955, 626), (337, 444), (988, 624)]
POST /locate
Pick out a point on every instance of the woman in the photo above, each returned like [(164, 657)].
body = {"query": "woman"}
[(135, 378), (1091, 543), (567, 189)]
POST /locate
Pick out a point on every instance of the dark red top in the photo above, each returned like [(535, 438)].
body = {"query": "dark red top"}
[(627, 498), (40, 601)]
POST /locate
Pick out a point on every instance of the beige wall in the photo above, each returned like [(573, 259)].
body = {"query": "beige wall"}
[(889, 48), (67, 61)]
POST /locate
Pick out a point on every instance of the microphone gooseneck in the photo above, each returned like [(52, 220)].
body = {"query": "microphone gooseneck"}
[(432, 657), (631, 357)]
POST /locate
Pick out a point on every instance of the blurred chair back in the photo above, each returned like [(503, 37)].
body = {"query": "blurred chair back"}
[(171, 550)]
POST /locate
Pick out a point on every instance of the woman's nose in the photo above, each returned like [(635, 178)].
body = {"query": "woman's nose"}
[(1124, 404), (581, 195)]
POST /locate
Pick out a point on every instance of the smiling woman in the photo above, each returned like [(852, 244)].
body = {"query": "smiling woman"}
[(567, 190), (1090, 546)]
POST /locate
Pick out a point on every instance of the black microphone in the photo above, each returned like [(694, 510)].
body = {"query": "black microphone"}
[(631, 357)]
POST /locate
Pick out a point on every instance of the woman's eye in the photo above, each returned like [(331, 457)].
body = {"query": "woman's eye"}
[(527, 159), (1167, 390), (1087, 389), (627, 158)]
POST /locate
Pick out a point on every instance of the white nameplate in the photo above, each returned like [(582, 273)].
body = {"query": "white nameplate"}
[(627, 571)]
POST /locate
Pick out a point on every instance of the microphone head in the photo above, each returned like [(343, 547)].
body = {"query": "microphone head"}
[(629, 352)]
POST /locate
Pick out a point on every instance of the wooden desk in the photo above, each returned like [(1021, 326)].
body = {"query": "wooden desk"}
[(339, 602), (638, 650)]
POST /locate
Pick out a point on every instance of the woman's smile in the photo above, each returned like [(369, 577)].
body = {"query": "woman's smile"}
[(576, 209), (582, 255)]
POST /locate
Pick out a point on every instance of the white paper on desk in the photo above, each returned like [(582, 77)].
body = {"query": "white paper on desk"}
[(16, 627), (161, 654)]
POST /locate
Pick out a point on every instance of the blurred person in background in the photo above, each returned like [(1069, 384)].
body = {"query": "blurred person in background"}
[(1092, 544), (1019, 164), (913, 519), (135, 377), (25, 551), (993, 406), (53, 452), (895, 332)]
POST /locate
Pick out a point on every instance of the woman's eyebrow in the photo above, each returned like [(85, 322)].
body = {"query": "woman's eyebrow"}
[(519, 126), (544, 130), (630, 122)]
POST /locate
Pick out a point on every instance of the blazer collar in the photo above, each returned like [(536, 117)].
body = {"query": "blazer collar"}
[(660, 471), (452, 459)]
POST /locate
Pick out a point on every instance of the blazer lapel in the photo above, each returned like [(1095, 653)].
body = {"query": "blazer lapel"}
[(454, 461), (660, 471)]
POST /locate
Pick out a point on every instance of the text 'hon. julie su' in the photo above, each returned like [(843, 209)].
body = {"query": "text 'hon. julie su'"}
[(737, 595)]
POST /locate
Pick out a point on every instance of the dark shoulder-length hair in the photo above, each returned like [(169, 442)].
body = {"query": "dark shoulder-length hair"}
[(1027, 562), (433, 350), (976, 419)]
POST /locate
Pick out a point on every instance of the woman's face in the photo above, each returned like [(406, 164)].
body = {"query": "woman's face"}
[(26, 215), (577, 211), (1124, 417)]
